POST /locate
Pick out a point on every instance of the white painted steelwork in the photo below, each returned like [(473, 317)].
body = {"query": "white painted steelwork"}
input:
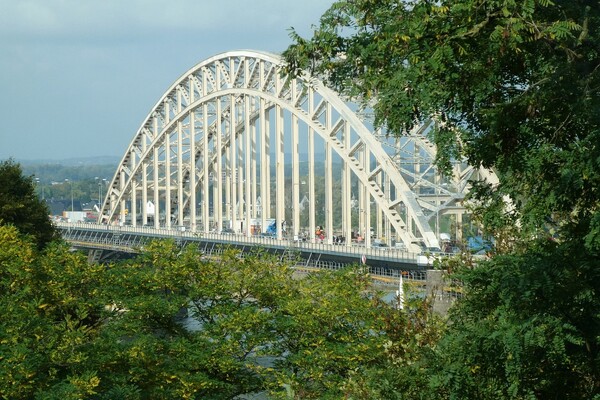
[(212, 153)]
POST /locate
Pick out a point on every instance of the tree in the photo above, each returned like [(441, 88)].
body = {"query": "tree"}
[(528, 328), (48, 314), (19, 205), (513, 86), (173, 323), (327, 333)]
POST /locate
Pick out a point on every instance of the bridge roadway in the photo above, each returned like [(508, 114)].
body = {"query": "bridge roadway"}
[(127, 239)]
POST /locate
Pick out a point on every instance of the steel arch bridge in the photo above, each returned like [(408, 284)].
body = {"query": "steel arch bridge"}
[(235, 145)]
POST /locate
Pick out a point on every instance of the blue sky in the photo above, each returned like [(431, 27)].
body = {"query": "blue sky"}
[(77, 77)]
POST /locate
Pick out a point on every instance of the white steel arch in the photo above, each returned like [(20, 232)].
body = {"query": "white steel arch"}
[(235, 144)]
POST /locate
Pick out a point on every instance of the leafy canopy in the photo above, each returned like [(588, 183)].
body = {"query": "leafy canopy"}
[(19, 205), (513, 86), (175, 324)]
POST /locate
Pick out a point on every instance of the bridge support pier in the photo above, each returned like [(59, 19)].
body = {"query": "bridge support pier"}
[(95, 255), (441, 299)]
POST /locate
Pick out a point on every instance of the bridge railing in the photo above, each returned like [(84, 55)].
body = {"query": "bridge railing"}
[(135, 237), (383, 275)]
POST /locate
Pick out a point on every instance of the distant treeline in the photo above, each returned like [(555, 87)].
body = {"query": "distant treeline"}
[(57, 172), (85, 171)]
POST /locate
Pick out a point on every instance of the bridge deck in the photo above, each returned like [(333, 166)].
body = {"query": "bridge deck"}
[(132, 239)]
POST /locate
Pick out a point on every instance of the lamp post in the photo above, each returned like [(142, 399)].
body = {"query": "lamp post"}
[(72, 206), (438, 206), (99, 181), (40, 186), (437, 213), (71, 183)]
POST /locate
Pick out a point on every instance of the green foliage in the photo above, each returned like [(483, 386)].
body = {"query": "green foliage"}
[(404, 369), (86, 182), (528, 328), (58, 172), (327, 332), (513, 86), (19, 206), (47, 317), (175, 324)]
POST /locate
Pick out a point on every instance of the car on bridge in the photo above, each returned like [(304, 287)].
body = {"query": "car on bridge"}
[(269, 235), (379, 245)]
